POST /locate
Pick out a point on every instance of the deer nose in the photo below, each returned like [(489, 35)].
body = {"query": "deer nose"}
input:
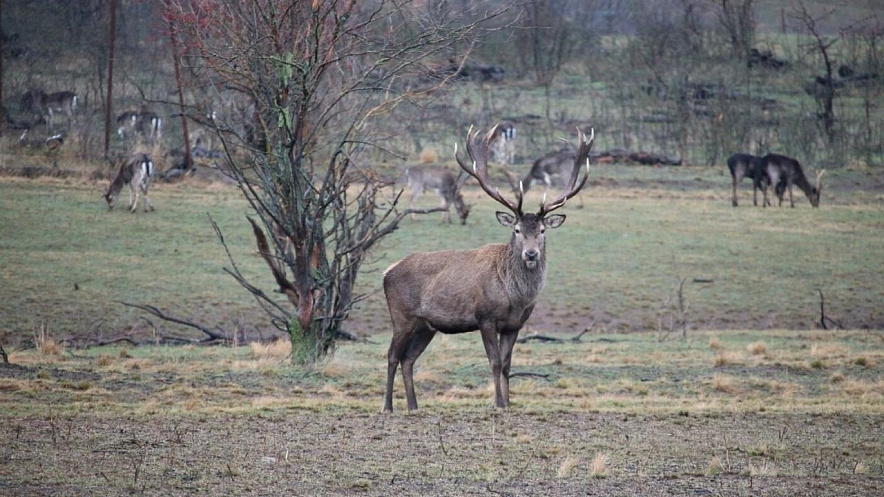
[(530, 254)]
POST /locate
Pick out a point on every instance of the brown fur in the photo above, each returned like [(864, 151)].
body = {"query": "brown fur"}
[(492, 289)]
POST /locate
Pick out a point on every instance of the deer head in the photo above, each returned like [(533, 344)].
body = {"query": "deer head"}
[(528, 229)]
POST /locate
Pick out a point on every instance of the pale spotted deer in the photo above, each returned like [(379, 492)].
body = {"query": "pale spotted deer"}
[(440, 180), (136, 173)]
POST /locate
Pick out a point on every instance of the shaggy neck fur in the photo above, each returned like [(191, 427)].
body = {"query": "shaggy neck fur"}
[(523, 284)]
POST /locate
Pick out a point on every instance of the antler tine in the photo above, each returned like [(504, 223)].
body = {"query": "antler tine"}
[(573, 187), (477, 149)]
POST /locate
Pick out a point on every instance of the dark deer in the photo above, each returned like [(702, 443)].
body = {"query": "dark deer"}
[(492, 289), (137, 173), (441, 181), (752, 167), (784, 172)]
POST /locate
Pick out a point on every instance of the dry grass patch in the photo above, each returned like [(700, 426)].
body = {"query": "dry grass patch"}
[(567, 466), (104, 360), (828, 350), (860, 468), (728, 358), (715, 344), (861, 387), (765, 468), (599, 466), (713, 467), (335, 369), (429, 377), (277, 349), (837, 377), (757, 348), (725, 384)]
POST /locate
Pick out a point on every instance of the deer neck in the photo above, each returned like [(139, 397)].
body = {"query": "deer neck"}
[(523, 284), (802, 183)]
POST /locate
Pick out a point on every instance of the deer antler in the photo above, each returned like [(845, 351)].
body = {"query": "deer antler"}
[(573, 188), (819, 179), (478, 151)]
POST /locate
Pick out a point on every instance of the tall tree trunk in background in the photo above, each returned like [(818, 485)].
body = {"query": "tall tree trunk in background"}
[(2, 110), (111, 54), (176, 56)]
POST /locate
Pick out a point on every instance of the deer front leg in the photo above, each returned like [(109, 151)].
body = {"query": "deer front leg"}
[(133, 198), (147, 203), (507, 342), (492, 349), (791, 200), (734, 197), (416, 346)]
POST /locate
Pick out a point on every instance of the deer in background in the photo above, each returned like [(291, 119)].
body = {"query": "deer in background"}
[(144, 122), (748, 166), (136, 173), (503, 144), (784, 172), (492, 289), (550, 170), (441, 181), (45, 106)]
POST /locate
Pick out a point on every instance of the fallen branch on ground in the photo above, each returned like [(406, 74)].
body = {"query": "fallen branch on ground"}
[(823, 317), (213, 335), (526, 373)]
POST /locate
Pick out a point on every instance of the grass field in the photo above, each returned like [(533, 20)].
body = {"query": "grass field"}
[(756, 401)]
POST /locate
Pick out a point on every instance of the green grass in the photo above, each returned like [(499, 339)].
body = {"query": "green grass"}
[(67, 261)]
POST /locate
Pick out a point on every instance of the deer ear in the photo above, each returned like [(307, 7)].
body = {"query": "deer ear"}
[(506, 219), (554, 221)]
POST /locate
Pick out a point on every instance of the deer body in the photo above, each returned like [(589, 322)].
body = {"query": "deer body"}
[(144, 122), (503, 144), (784, 172), (492, 289), (440, 180), (137, 174), (748, 166), (64, 102)]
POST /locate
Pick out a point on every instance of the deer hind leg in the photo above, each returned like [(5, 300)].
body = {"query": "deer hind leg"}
[(133, 197), (507, 342), (415, 194), (735, 181), (446, 204), (492, 349), (147, 203), (791, 200)]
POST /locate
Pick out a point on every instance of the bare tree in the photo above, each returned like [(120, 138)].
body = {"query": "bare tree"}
[(822, 44), (737, 17), (319, 74)]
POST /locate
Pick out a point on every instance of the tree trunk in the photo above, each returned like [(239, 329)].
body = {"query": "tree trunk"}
[(111, 35), (176, 56)]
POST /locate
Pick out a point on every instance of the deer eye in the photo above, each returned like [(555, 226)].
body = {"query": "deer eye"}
[(517, 230), (542, 231)]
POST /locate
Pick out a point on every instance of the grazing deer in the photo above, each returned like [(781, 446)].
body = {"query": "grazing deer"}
[(441, 181), (137, 173), (503, 144), (492, 289), (748, 166), (783, 172)]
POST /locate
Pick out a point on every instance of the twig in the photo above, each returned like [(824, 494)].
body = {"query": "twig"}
[(441, 443), (4, 355), (213, 335), (539, 338), (585, 331), (528, 373), (823, 317)]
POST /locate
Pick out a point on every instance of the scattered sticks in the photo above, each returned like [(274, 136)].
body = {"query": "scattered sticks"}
[(212, 335), (536, 337), (823, 318)]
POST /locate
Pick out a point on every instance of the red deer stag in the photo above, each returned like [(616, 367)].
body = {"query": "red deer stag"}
[(752, 167), (783, 172), (137, 173), (492, 289), (441, 181)]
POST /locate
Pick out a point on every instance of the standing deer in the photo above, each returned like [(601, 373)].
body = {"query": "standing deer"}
[(783, 172), (503, 144), (63, 101), (44, 106), (492, 289), (144, 122), (441, 181), (748, 166), (137, 173), (550, 170)]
